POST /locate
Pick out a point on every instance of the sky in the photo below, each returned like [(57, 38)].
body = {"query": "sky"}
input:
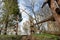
[(25, 5), (22, 4)]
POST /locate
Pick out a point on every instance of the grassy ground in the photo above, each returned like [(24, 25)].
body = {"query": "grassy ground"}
[(46, 37), (10, 37), (32, 37)]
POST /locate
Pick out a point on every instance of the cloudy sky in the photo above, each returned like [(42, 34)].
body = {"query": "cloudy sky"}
[(24, 3)]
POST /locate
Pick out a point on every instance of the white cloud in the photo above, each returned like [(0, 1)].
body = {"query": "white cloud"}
[(24, 15)]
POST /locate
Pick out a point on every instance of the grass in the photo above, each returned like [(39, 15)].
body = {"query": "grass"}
[(10, 37), (44, 36)]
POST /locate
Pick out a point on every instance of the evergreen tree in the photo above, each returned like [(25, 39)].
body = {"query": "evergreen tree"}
[(11, 8)]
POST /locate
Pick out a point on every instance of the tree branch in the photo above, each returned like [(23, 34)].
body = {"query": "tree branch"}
[(45, 20)]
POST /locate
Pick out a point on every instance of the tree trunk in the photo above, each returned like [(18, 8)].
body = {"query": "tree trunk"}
[(54, 27), (0, 30), (17, 29), (6, 25), (55, 14), (17, 25)]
